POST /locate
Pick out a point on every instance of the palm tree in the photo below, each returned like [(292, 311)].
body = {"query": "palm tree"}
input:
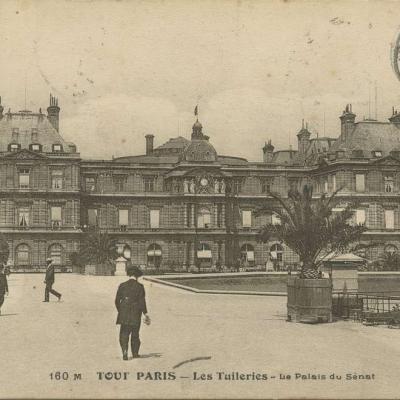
[(311, 228), (98, 248)]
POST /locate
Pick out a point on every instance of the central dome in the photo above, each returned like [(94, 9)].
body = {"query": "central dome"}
[(199, 150)]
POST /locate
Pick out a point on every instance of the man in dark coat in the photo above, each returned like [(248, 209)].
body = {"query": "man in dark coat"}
[(131, 304), (49, 281), (3, 285)]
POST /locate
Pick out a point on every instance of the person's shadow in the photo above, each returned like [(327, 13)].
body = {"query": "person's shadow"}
[(151, 355)]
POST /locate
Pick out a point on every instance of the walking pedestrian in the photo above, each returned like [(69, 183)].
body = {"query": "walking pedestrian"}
[(131, 304), (3, 285), (49, 281)]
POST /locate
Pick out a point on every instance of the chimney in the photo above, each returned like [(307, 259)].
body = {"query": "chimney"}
[(268, 151), (395, 118), (53, 112), (1, 110), (347, 124), (303, 141), (149, 144)]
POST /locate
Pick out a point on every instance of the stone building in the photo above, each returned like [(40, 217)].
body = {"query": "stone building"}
[(182, 204)]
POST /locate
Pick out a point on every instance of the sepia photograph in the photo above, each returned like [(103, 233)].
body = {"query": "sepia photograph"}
[(199, 199)]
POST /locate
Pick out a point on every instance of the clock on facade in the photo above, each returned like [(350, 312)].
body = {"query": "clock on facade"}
[(203, 182)]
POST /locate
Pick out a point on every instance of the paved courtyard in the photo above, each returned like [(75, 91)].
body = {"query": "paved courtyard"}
[(223, 335)]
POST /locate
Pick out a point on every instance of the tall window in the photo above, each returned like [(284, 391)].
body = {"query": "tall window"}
[(149, 183), (266, 185), (325, 183), (204, 251), (154, 219), (360, 183), (219, 215), (55, 253), (276, 252), (247, 253), (237, 186), (22, 254), (246, 219), (154, 255), (92, 217), (389, 219), (90, 184), (24, 178), (57, 179), (123, 219), (203, 218), (389, 184), (360, 217), (23, 217), (119, 183), (55, 217), (333, 183)]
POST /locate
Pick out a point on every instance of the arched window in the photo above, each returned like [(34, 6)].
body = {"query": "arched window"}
[(127, 253), (154, 255), (22, 254), (55, 253), (276, 252), (247, 254), (203, 218)]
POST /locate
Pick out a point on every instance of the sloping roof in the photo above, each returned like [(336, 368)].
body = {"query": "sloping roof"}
[(347, 257), (287, 157), (25, 121), (174, 143), (144, 159), (370, 136)]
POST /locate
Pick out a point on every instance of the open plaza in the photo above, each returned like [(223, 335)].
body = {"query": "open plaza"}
[(196, 344)]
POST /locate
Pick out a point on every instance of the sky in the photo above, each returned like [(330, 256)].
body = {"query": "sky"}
[(124, 69)]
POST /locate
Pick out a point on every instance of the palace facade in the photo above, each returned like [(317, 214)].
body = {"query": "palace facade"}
[(183, 204)]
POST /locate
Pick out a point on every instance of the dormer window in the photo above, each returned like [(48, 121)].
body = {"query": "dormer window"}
[(35, 147), (15, 133), (57, 148), (358, 153), (377, 153), (14, 147), (34, 135)]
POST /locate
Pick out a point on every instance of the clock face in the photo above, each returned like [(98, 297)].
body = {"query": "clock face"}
[(204, 182)]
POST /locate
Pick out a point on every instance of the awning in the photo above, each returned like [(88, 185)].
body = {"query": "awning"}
[(153, 253), (204, 254), (250, 256)]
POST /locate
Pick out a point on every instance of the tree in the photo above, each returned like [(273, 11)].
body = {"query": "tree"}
[(311, 228), (4, 250), (98, 248)]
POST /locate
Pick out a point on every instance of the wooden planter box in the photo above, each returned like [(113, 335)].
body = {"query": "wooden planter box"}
[(309, 300)]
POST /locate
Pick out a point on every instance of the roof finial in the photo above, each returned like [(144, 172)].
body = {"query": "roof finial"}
[(302, 123)]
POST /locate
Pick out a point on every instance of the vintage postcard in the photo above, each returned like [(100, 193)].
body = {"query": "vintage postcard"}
[(199, 199)]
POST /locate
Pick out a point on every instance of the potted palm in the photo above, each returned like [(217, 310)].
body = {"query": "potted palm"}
[(311, 228), (99, 252)]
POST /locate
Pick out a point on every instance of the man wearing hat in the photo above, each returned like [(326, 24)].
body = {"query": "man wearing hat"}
[(131, 304), (49, 281)]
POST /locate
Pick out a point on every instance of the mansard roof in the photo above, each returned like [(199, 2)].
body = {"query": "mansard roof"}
[(173, 145), (369, 136), (26, 122)]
